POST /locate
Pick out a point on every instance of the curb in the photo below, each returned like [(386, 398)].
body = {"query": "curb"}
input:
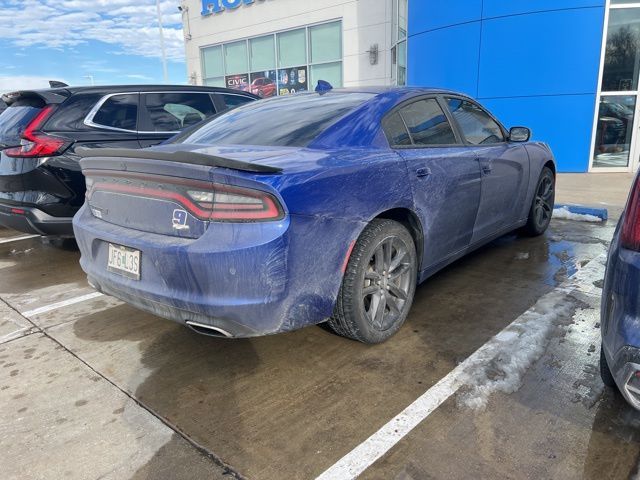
[(601, 213)]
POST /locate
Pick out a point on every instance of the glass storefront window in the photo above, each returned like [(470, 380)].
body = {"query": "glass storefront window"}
[(330, 72), (214, 82), (399, 47), (614, 130), (278, 63), (262, 53), (325, 42), (212, 62), (622, 51), (402, 19), (292, 48), (402, 63), (235, 57)]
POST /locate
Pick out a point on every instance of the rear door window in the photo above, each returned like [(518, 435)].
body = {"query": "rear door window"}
[(477, 125), (427, 123), (118, 111), (396, 131), (232, 101), (173, 111), (15, 119)]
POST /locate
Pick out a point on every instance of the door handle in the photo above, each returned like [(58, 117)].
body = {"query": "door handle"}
[(423, 172)]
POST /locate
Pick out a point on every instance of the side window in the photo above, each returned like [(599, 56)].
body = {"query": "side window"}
[(232, 101), (119, 111), (173, 111), (476, 124), (395, 130), (427, 123)]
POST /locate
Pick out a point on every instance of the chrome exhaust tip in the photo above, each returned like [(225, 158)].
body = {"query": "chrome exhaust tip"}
[(208, 329)]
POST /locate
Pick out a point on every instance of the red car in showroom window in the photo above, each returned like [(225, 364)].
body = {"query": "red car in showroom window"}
[(263, 87)]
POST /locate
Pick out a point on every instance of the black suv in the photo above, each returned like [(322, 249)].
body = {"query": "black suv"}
[(41, 185)]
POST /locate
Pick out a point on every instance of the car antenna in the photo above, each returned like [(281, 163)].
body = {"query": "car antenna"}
[(323, 87)]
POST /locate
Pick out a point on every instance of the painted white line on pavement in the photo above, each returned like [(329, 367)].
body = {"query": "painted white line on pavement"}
[(368, 452), (63, 303), (17, 239), (17, 334)]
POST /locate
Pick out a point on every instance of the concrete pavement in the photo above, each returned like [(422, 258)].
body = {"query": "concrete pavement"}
[(98, 389)]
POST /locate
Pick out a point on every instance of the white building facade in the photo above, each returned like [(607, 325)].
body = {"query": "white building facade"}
[(277, 47)]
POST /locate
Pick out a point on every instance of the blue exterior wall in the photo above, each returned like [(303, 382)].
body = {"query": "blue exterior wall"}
[(531, 62)]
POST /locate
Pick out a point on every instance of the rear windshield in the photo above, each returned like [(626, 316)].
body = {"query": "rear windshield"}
[(293, 121), (14, 120)]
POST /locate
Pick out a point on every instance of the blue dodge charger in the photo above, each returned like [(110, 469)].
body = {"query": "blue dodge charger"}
[(317, 207), (620, 326)]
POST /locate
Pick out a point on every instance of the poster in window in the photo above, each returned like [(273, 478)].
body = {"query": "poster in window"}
[(292, 80), (237, 82), (263, 84)]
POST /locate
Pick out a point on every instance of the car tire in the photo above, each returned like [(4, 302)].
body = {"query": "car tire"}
[(605, 371), (372, 305), (542, 205)]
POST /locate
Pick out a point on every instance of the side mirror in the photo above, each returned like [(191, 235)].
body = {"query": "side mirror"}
[(519, 134)]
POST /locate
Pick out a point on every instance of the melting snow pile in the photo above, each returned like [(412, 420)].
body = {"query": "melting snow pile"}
[(500, 365), (563, 213)]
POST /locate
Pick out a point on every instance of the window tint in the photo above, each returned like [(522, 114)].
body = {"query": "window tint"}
[(280, 121), (476, 124), (173, 111), (427, 123), (232, 101), (395, 130), (119, 111)]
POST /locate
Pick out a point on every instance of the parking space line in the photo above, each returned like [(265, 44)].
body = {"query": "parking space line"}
[(61, 304), (17, 239), (373, 448)]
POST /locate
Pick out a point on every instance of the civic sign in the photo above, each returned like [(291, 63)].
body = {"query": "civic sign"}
[(216, 6)]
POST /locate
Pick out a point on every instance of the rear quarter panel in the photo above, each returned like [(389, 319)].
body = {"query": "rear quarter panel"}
[(539, 155), (329, 204)]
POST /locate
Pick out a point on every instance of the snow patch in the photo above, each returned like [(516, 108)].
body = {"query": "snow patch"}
[(501, 365), (563, 213)]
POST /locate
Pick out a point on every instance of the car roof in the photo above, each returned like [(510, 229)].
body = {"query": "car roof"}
[(137, 88), (381, 90), (59, 94)]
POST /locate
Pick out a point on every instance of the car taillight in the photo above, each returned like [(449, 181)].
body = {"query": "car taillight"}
[(35, 143), (236, 203), (204, 200), (630, 236)]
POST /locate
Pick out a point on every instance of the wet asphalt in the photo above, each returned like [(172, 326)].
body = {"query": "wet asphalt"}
[(98, 389)]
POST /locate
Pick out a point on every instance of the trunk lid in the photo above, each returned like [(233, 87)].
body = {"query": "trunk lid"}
[(146, 192)]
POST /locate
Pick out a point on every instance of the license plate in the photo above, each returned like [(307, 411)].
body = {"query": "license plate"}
[(124, 261)]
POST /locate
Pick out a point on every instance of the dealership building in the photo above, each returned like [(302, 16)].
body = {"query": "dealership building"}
[(568, 69)]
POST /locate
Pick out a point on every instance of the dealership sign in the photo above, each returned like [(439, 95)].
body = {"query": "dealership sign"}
[(216, 6)]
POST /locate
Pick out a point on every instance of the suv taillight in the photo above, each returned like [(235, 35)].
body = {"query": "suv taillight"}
[(35, 143), (630, 236)]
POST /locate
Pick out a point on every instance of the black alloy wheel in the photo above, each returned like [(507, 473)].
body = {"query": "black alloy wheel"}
[(379, 284)]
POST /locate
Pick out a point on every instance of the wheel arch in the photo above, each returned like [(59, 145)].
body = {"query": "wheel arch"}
[(551, 166), (411, 222)]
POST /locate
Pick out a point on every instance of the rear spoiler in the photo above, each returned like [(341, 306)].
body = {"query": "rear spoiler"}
[(52, 96), (193, 158)]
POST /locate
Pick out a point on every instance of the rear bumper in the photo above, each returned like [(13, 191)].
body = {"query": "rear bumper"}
[(624, 365), (620, 324), (33, 220), (241, 279)]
